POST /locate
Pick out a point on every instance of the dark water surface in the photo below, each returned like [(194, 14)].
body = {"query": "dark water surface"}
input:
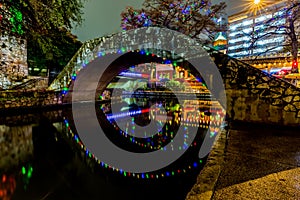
[(42, 157)]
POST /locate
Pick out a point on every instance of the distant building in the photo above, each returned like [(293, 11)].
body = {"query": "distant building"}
[(242, 25), (220, 42), (267, 53)]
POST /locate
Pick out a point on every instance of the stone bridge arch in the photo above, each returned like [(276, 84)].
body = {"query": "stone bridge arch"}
[(252, 95)]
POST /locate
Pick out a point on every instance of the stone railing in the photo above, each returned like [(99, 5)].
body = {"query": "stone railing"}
[(82, 56), (255, 96), (252, 95)]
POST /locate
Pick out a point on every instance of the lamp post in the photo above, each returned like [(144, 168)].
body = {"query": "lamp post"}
[(256, 2)]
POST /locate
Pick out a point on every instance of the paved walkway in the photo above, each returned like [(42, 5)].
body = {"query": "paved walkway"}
[(256, 163)]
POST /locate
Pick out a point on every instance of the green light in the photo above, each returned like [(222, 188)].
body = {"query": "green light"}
[(147, 176), (174, 64), (29, 174), (16, 20), (123, 49), (23, 170), (125, 174), (66, 89)]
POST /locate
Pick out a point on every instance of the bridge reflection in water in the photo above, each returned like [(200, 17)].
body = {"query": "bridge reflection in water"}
[(61, 167)]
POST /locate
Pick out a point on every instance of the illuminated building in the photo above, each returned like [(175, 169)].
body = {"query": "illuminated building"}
[(243, 24), (220, 42), (267, 53)]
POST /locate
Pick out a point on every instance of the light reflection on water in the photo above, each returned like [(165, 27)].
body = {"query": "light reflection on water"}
[(44, 157)]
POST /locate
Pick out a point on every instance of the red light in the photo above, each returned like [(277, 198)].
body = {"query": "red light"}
[(3, 178), (295, 63)]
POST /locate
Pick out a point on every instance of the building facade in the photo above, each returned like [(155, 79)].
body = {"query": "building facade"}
[(245, 28)]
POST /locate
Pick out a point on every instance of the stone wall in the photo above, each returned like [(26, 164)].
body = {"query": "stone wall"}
[(255, 96), (34, 98), (13, 59), (252, 95)]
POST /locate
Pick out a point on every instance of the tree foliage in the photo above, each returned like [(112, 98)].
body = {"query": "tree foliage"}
[(198, 19), (22, 17), (46, 25), (62, 47)]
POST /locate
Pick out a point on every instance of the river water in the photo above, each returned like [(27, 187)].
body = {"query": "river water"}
[(42, 156)]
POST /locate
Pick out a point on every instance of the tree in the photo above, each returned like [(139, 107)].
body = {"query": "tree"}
[(64, 46), (286, 23), (22, 17), (197, 19), (45, 24)]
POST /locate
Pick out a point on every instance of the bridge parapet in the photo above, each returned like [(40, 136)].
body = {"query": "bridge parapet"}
[(255, 96), (252, 95)]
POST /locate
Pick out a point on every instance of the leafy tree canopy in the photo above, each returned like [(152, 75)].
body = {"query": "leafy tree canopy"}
[(198, 19), (46, 25)]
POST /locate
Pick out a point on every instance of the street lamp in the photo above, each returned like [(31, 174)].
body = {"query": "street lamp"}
[(256, 6), (256, 2)]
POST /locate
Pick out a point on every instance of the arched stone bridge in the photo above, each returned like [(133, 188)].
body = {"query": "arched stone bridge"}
[(252, 95)]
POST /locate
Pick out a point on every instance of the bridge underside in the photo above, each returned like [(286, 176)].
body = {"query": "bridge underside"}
[(252, 95)]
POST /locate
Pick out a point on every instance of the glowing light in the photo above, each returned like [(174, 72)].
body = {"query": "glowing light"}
[(256, 1)]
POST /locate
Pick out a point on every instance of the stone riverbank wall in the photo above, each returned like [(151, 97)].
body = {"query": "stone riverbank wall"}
[(29, 99), (257, 97)]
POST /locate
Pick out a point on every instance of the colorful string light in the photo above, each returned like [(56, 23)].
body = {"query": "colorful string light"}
[(120, 171)]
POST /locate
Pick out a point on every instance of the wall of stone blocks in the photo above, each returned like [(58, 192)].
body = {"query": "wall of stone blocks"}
[(17, 99), (253, 96), (13, 61)]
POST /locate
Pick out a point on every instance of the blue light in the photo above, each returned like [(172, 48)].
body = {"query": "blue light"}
[(195, 164), (168, 62), (167, 173), (143, 176), (64, 92)]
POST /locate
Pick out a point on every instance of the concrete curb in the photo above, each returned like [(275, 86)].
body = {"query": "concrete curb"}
[(208, 177)]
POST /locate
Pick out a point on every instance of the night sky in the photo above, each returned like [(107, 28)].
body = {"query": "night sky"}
[(102, 17)]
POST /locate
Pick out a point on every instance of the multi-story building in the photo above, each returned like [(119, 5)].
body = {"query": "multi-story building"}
[(245, 27)]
